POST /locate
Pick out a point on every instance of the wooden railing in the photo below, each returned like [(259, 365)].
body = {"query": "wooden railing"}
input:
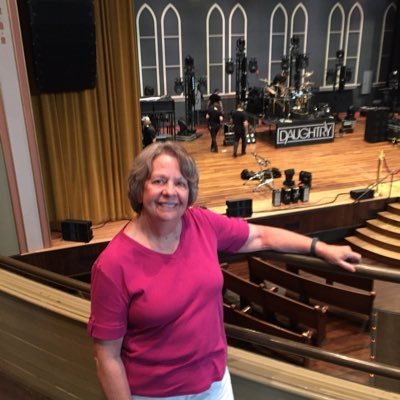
[(251, 336)]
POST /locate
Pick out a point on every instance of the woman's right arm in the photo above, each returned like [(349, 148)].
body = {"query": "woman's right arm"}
[(110, 369)]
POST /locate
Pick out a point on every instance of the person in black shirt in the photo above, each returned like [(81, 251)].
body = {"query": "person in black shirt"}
[(215, 98), (215, 118), (148, 131), (240, 128)]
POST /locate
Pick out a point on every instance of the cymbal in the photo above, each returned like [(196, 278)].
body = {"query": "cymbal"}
[(265, 80), (308, 74), (308, 83)]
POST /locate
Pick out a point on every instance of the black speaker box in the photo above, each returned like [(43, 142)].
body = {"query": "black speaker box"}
[(76, 230), (376, 125), (362, 194), (63, 45), (239, 208)]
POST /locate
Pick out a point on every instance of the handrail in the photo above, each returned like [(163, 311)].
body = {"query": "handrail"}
[(317, 264), (249, 335), (48, 276), (301, 349)]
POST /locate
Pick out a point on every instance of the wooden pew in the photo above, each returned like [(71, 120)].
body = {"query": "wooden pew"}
[(275, 305), (308, 289), (331, 278), (235, 316)]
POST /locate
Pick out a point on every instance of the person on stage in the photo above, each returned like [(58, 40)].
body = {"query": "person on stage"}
[(279, 83), (240, 124), (148, 131), (215, 118), (215, 98), (156, 290)]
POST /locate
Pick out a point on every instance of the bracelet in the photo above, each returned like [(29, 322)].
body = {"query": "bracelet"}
[(312, 247)]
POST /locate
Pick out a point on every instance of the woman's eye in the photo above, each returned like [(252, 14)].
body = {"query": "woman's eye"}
[(182, 184)]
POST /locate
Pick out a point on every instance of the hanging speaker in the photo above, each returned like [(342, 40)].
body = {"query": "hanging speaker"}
[(63, 45)]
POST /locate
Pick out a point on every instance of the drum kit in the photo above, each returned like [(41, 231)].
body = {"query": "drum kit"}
[(281, 101)]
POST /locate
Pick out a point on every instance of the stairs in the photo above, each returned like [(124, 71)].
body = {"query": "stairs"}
[(380, 238)]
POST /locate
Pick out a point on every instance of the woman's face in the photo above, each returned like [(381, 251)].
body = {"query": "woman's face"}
[(166, 192)]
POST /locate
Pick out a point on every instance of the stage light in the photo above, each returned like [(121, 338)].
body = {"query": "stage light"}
[(148, 91), (189, 64), (339, 54), (294, 41), (305, 178), (289, 182), (302, 61), (285, 63), (253, 65), (202, 85), (229, 66), (240, 45), (178, 86)]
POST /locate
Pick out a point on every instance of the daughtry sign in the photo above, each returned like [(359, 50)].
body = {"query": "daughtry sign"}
[(307, 132)]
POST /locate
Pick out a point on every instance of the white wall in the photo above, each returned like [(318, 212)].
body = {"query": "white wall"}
[(10, 91)]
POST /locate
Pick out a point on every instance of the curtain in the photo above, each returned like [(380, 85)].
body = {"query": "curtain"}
[(87, 140)]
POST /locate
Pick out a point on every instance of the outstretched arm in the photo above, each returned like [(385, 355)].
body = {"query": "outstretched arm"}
[(282, 240)]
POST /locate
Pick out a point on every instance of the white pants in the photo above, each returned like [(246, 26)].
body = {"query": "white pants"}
[(221, 390)]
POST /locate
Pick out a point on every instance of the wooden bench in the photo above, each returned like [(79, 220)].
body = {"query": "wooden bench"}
[(307, 289), (235, 316), (331, 278), (275, 306)]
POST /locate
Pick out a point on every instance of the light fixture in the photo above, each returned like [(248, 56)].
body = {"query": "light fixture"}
[(229, 66), (202, 84), (240, 45), (178, 86), (253, 65), (285, 63), (148, 91)]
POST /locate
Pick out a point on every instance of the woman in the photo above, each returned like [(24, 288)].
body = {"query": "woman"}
[(157, 318)]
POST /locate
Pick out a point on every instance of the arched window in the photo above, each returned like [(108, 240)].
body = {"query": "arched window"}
[(334, 39), (171, 47), (299, 26), (147, 49), (386, 44), (237, 29), (215, 49), (352, 48), (277, 39)]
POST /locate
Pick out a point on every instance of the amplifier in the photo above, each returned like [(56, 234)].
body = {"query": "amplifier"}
[(239, 208), (362, 194), (76, 230)]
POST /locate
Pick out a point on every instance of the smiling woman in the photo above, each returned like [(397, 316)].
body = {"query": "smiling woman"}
[(146, 346)]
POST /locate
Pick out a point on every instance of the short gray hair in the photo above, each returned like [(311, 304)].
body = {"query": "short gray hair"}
[(143, 167)]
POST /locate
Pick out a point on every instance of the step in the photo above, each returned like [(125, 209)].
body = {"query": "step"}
[(394, 208), (384, 227), (389, 217), (379, 239), (374, 252)]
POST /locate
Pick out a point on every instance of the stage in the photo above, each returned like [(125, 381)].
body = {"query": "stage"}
[(349, 162)]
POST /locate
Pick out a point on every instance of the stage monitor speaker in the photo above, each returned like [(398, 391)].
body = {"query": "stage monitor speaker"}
[(362, 194), (239, 208), (376, 125), (63, 45), (76, 230)]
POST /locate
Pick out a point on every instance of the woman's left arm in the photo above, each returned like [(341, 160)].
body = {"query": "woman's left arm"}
[(282, 240)]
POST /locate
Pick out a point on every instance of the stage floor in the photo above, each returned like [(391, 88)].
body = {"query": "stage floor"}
[(346, 163)]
